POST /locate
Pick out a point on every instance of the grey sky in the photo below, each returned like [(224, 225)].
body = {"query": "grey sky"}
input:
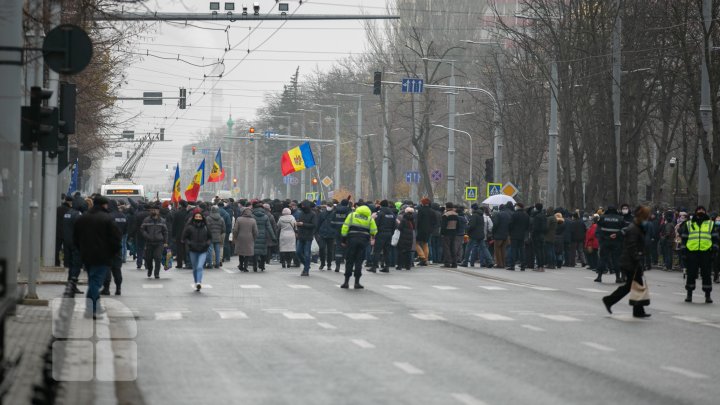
[(310, 45)]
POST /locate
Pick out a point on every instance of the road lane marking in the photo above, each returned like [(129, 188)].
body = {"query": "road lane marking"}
[(297, 315), (326, 325), (428, 317), (686, 373), (250, 286), (363, 343), (542, 288), (227, 314), (467, 399), (493, 288), (360, 317), (533, 328), (593, 290), (445, 287), (152, 286), (714, 325), (298, 286), (693, 319), (598, 346), (398, 287), (231, 271), (408, 368), (559, 318), (494, 317), (204, 286), (168, 316)]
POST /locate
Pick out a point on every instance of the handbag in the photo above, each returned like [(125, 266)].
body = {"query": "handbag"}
[(395, 238), (639, 294)]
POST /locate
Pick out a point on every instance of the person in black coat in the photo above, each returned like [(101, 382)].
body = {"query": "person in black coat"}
[(537, 233), (99, 241), (631, 263), (180, 218), (476, 234), (196, 236), (577, 241), (62, 209), (519, 228), (407, 239), (337, 219), (386, 222), (306, 224), (115, 273), (425, 222)]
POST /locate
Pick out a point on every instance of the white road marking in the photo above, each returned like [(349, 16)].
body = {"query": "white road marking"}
[(679, 293), (428, 317), (494, 317), (229, 314), (298, 286), (363, 343), (559, 318), (598, 346), (467, 399), (408, 368), (538, 288), (326, 325), (360, 317), (714, 325), (231, 271), (297, 315), (686, 373), (445, 287), (204, 286), (493, 288), (398, 287), (593, 290), (533, 328), (692, 319), (168, 316), (249, 286), (152, 286)]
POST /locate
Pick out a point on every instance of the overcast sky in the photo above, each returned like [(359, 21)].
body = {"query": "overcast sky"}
[(277, 51)]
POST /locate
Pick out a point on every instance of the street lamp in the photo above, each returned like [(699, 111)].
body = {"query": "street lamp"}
[(358, 145), (337, 141), (471, 145), (287, 184), (320, 132)]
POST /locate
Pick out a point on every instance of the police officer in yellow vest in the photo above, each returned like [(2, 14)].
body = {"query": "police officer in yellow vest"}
[(357, 232), (700, 240)]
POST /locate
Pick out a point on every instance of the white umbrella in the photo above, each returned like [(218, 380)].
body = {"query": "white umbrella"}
[(498, 199)]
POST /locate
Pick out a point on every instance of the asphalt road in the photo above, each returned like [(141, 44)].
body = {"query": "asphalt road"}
[(426, 336)]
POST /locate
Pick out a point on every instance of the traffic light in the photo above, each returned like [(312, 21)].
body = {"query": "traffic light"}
[(377, 84), (194, 149), (235, 181), (182, 103), (251, 130), (314, 181), (489, 163), (162, 134), (39, 124)]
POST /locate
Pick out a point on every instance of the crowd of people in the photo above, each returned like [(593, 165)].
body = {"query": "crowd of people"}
[(382, 235)]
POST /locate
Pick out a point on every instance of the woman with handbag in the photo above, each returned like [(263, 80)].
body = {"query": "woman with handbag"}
[(406, 240), (631, 263)]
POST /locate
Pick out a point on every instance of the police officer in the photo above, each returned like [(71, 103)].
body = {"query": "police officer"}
[(115, 273), (609, 233), (155, 233), (386, 222), (700, 240), (337, 219), (357, 232), (71, 252)]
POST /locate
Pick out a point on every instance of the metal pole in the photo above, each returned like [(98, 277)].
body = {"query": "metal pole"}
[(705, 111), (414, 161), (302, 173), (288, 185), (255, 169), (450, 195), (386, 149), (10, 102), (320, 134), (498, 136), (337, 147), (553, 135), (246, 181), (616, 73), (358, 152)]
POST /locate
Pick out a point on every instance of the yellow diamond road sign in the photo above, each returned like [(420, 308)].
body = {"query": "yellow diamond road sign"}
[(510, 189), (327, 181)]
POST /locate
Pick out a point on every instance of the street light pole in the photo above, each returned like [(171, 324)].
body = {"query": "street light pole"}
[(553, 135), (336, 180), (358, 151), (471, 146)]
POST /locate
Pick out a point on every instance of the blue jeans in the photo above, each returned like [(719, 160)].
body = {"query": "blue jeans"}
[(550, 259), (96, 278), (303, 253), (124, 248), (436, 253), (139, 251), (198, 260), (75, 262), (517, 253), (472, 252), (215, 249)]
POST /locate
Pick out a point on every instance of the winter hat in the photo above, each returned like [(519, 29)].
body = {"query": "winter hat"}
[(100, 200), (409, 210), (344, 203), (538, 207), (286, 211), (425, 201)]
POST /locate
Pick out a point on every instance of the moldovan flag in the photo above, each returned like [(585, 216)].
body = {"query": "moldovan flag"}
[(193, 189), (297, 159), (176, 186), (217, 173)]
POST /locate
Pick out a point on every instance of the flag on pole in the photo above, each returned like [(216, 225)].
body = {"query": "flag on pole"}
[(193, 189), (73, 179), (176, 186), (297, 159), (217, 173)]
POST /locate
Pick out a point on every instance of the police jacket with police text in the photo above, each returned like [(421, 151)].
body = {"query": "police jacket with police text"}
[(611, 223), (386, 220), (359, 224)]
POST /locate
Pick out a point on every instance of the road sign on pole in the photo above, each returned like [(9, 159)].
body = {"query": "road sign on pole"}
[(311, 196), (412, 177), (510, 189), (327, 181), (494, 189), (412, 85), (436, 175), (152, 98), (471, 193)]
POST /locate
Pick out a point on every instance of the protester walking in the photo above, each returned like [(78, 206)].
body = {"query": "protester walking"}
[(288, 241), (198, 238), (245, 232)]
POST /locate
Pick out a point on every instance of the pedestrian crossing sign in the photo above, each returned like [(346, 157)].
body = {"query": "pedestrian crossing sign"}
[(471, 193), (311, 196), (494, 189)]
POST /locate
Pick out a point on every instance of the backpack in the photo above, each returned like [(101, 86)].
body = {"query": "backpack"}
[(668, 231)]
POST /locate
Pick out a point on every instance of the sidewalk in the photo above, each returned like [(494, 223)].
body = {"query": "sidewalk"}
[(53, 275)]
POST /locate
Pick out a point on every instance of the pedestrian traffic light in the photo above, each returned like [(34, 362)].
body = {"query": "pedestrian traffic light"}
[(194, 148), (377, 84), (182, 103), (314, 181), (40, 124), (489, 163), (251, 130)]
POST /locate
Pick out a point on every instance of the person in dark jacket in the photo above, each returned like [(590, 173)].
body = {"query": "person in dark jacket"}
[(326, 233), (631, 263), (60, 212), (463, 220), (448, 229), (98, 240), (265, 234), (306, 224), (610, 235), (196, 236), (155, 233), (519, 228), (115, 273), (476, 234), (501, 233), (577, 241), (560, 240), (435, 238), (180, 219), (426, 221), (550, 235), (226, 215), (407, 239), (386, 222), (216, 225), (71, 252), (337, 219), (537, 233), (141, 214)]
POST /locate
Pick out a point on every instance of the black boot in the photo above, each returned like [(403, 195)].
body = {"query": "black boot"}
[(606, 301), (708, 300), (105, 291), (717, 278), (117, 291), (639, 312), (689, 297), (358, 286), (346, 283), (372, 269), (598, 279)]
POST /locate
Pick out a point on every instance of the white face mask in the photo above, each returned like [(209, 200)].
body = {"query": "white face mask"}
[(625, 211), (329, 208)]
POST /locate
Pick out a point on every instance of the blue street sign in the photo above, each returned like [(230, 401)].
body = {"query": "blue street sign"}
[(292, 180), (412, 85), (412, 177), (494, 189), (436, 175)]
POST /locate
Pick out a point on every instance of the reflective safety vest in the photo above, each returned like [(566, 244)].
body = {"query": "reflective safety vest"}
[(359, 223), (699, 238)]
